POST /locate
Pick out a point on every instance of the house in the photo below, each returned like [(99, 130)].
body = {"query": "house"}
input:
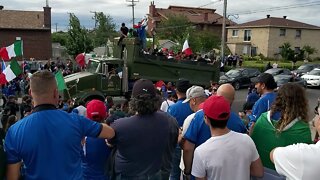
[(204, 19), (166, 43), (266, 36), (33, 27)]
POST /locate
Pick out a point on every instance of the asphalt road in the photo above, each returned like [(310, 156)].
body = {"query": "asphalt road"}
[(312, 94)]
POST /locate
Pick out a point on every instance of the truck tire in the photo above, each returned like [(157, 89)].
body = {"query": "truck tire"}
[(236, 85)]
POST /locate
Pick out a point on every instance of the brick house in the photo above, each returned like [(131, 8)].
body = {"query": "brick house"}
[(33, 27), (203, 19), (266, 35)]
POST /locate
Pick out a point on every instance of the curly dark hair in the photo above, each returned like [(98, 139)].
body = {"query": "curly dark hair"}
[(291, 101), (145, 104)]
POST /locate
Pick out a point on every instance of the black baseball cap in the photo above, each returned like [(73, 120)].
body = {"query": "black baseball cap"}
[(183, 85), (142, 87), (267, 79)]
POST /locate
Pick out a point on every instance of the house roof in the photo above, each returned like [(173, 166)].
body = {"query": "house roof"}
[(275, 22), (195, 15), (13, 19)]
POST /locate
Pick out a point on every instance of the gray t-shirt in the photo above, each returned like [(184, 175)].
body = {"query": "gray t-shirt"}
[(144, 143)]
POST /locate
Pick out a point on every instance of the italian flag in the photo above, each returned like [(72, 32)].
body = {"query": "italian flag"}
[(12, 71), (186, 49), (14, 50)]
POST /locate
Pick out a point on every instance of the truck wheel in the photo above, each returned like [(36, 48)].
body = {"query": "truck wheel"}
[(236, 85)]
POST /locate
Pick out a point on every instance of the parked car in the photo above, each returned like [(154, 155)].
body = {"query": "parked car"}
[(277, 71), (239, 77), (304, 69), (284, 79), (312, 78)]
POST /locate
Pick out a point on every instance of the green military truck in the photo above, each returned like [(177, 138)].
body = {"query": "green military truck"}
[(115, 76)]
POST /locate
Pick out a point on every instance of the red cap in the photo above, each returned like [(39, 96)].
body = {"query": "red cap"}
[(217, 108), (96, 110)]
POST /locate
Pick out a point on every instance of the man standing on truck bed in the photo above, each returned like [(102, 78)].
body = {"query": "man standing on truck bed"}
[(123, 33)]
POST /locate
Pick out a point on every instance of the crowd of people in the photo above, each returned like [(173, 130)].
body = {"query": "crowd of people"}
[(165, 131)]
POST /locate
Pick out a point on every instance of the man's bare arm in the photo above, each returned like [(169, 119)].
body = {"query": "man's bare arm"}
[(256, 168), (107, 132), (13, 171), (188, 150)]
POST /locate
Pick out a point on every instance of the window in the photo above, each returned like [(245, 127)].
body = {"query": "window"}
[(247, 35), (298, 33), (297, 50), (235, 33), (282, 32), (253, 51)]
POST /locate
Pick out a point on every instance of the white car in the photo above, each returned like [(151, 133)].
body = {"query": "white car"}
[(312, 78)]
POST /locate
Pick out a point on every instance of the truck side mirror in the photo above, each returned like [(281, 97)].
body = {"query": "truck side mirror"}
[(105, 69)]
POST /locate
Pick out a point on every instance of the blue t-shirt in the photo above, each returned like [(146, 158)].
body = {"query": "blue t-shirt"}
[(261, 106), (49, 144), (94, 159), (180, 111), (198, 131), (236, 124)]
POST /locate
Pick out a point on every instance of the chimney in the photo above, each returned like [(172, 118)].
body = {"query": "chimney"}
[(268, 15), (284, 17), (152, 9), (47, 17), (1, 7), (206, 17)]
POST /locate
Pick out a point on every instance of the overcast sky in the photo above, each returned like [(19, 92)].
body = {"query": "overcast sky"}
[(120, 12)]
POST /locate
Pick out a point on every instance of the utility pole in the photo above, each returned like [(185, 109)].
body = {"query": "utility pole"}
[(132, 5), (95, 18), (223, 39), (56, 25)]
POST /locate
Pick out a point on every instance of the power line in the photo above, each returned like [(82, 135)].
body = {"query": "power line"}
[(210, 3), (315, 3)]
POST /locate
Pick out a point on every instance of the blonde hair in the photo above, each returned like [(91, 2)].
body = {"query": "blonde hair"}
[(42, 82)]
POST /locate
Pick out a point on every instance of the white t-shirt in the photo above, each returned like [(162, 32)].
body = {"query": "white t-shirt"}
[(298, 161), (165, 105), (225, 157), (186, 124)]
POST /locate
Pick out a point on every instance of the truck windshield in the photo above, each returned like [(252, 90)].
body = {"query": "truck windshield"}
[(93, 67)]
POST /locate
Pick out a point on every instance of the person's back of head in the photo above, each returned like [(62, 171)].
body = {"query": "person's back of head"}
[(217, 112), (182, 86), (144, 98), (292, 103), (195, 95), (96, 110), (227, 91), (43, 88)]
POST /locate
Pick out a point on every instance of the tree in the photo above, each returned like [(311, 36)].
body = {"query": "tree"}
[(78, 40), (60, 37), (286, 52), (105, 29), (179, 28), (176, 28), (309, 50), (203, 41)]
